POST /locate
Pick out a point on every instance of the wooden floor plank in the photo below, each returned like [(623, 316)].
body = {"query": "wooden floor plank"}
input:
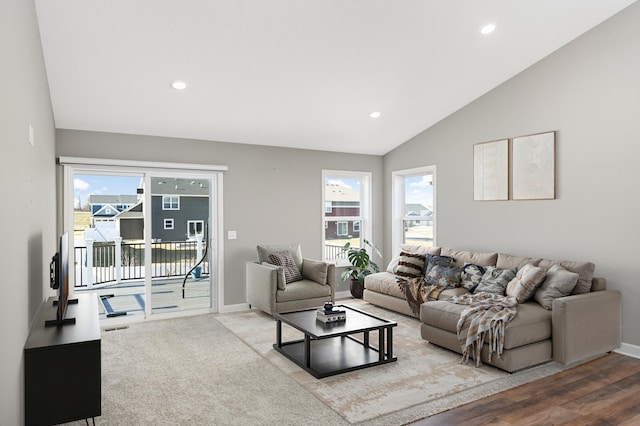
[(604, 391)]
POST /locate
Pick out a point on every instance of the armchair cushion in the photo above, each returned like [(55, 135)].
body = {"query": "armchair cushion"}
[(291, 270), (315, 270)]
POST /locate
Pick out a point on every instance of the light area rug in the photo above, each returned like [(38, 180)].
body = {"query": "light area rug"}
[(425, 380), (194, 371)]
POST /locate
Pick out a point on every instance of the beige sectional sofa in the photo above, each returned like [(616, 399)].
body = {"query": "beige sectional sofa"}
[(577, 327)]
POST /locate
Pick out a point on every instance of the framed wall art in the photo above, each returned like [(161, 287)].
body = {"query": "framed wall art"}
[(491, 171), (534, 167)]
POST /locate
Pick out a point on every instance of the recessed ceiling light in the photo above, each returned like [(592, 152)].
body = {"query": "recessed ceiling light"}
[(488, 29), (179, 85), (375, 114)]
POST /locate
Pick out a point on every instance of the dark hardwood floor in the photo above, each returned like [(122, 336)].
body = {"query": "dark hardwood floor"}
[(605, 391)]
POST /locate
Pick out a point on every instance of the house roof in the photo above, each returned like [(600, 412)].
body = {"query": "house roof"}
[(112, 199), (179, 186)]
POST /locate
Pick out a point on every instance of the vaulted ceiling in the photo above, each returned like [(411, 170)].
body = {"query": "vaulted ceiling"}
[(292, 73)]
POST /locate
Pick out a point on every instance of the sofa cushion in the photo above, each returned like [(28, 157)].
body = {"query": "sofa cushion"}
[(558, 283), (471, 276), (463, 256), (448, 277), (294, 249), (495, 280), (526, 282), (531, 324), (583, 269), (411, 249), (383, 282), (507, 261), (301, 290), (410, 264), (284, 259)]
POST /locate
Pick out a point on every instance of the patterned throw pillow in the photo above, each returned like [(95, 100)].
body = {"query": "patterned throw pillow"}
[(448, 277), (526, 282), (284, 259), (434, 260), (495, 280), (471, 276), (410, 265)]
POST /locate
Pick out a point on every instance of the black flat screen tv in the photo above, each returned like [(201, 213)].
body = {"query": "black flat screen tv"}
[(59, 280)]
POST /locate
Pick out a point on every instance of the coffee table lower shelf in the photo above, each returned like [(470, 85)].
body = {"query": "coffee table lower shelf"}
[(332, 355)]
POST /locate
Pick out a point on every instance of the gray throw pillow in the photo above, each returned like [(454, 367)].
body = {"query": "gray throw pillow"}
[(559, 283), (495, 280), (315, 271), (284, 259)]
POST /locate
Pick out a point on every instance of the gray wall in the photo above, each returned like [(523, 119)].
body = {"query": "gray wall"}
[(589, 91), (271, 195), (29, 193)]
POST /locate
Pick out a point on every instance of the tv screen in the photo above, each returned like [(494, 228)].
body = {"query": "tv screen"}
[(59, 279), (63, 277)]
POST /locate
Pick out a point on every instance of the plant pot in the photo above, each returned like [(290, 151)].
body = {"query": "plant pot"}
[(356, 289)]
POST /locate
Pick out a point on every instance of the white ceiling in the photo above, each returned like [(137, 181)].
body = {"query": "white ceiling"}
[(292, 73)]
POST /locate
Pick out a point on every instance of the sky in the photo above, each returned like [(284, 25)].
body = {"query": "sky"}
[(419, 190), (84, 185)]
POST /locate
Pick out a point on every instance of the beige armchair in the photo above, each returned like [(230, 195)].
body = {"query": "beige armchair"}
[(267, 287)]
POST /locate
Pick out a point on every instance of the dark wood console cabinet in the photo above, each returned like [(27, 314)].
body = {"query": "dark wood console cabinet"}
[(62, 365)]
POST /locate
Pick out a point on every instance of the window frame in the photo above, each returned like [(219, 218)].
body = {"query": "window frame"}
[(168, 221), (365, 217), (172, 204), (398, 202)]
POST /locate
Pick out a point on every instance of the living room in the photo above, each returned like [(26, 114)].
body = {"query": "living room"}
[(587, 91)]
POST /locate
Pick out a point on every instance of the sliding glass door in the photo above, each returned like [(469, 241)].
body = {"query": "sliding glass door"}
[(144, 240)]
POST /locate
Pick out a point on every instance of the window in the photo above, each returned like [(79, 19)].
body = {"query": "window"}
[(346, 203), (414, 206), (170, 202), (168, 224)]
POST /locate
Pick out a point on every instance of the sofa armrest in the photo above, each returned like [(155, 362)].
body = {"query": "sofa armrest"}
[(586, 325), (261, 286)]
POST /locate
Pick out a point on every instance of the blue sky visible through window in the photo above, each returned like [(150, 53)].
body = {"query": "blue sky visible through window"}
[(419, 190), (85, 185)]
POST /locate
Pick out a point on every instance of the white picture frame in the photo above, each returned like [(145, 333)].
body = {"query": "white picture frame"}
[(491, 171), (534, 167)]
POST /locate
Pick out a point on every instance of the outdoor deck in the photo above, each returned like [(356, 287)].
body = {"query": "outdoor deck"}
[(166, 296)]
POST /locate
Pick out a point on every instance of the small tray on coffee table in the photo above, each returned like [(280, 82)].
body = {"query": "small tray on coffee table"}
[(332, 348)]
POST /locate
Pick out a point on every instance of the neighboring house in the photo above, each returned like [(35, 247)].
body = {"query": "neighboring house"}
[(179, 211), (104, 210), (341, 202)]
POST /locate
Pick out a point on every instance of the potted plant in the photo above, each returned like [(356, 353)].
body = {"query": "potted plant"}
[(361, 266)]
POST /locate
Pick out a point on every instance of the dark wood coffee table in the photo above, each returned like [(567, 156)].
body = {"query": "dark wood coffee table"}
[(332, 348)]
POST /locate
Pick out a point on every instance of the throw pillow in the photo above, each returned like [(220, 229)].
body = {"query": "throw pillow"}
[(471, 276), (436, 260), (526, 282), (447, 277), (284, 259), (410, 265), (559, 283), (495, 280), (315, 270)]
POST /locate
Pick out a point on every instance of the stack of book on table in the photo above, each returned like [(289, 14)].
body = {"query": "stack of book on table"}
[(333, 315)]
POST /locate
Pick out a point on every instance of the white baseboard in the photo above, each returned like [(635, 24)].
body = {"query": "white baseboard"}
[(343, 295), (629, 350), (234, 308)]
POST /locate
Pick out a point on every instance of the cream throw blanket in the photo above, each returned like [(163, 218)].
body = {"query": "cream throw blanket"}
[(483, 320)]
